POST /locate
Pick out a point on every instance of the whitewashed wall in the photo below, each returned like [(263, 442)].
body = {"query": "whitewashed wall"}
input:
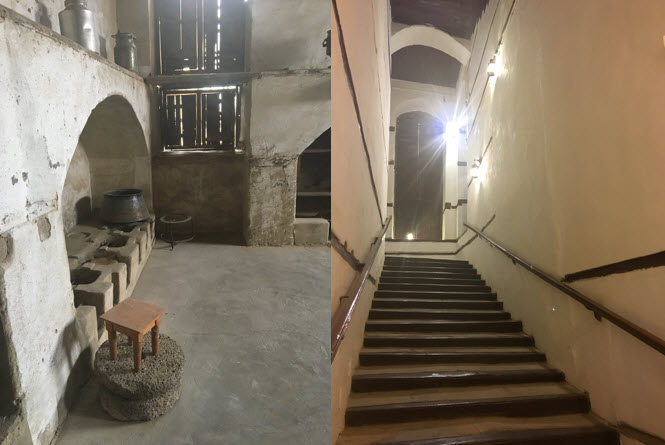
[(49, 90), (574, 175), (46, 12)]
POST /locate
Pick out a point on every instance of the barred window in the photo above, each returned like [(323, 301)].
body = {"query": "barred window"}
[(200, 118), (201, 35)]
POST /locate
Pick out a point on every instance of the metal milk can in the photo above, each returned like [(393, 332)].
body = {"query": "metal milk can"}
[(125, 50), (77, 22)]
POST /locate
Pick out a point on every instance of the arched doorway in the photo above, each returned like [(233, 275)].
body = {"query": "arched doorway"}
[(419, 177)]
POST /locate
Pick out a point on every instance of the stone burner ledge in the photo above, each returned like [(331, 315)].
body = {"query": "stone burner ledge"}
[(105, 264)]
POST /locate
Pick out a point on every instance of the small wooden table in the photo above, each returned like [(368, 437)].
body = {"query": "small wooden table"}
[(134, 318)]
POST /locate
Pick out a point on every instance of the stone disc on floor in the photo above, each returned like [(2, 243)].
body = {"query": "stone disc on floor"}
[(143, 395), (131, 410)]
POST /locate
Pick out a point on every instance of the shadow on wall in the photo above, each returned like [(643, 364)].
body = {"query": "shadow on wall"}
[(111, 154), (9, 382), (42, 15), (79, 371)]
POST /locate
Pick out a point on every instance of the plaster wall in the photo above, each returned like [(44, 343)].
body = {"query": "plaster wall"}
[(209, 187), (137, 17), (45, 12), (77, 191), (575, 123), (288, 35), (289, 108), (356, 217), (41, 72)]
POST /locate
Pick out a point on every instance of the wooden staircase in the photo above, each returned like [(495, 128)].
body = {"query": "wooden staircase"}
[(443, 364)]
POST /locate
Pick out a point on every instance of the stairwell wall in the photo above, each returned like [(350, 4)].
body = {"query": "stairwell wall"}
[(572, 135), (356, 215)]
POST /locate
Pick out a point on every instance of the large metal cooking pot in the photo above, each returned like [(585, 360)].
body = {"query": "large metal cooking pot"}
[(124, 206)]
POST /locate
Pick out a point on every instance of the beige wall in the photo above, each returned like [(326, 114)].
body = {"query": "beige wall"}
[(355, 216), (574, 175)]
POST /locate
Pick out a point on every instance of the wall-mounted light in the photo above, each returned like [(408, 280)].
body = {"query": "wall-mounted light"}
[(478, 169), (409, 236), (475, 168), (453, 134), (495, 67)]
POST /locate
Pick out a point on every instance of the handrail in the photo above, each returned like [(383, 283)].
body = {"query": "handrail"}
[(342, 317), (599, 310)]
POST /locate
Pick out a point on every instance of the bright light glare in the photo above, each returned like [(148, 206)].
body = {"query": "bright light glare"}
[(452, 129), (409, 236)]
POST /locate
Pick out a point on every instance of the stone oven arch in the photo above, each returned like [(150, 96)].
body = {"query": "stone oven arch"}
[(111, 153)]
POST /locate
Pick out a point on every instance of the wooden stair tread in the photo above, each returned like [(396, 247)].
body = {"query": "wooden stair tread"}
[(429, 278), (455, 394), (443, 367), (380, 334), (439, 295), (430, 300), (408, 258), (448, 349), (440, 311), (411, 274), (443, 325), (449, 379), (372, 434), (406, 321), (425, 357), (438, 345)]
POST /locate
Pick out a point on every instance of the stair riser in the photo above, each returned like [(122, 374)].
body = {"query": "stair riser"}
[(434, 287), (469, 305), (437, 295), (465, 316), (431, 359), (432, 281), (528, 407), (562, 436), (412, 275), (515, 326), (406, 383), (442, 343), (425, 261), (430, 269), (394, 257)]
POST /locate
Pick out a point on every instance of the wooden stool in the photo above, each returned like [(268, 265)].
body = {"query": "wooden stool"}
[(134, 318)]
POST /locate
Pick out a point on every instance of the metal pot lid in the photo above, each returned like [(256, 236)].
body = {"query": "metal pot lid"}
[(124, 35), (120, 193)]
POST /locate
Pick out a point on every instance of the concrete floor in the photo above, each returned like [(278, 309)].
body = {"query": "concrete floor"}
[(253, 323)]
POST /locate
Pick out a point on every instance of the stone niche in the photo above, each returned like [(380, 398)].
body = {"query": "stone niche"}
[(312, 224), (105, 261)]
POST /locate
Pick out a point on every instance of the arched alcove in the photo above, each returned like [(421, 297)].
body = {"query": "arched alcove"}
[(426, 65), (419, 176), (313, 192), (111, 153)]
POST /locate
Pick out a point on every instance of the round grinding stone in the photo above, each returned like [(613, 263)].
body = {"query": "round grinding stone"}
[(128, 410), (160, 374)]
